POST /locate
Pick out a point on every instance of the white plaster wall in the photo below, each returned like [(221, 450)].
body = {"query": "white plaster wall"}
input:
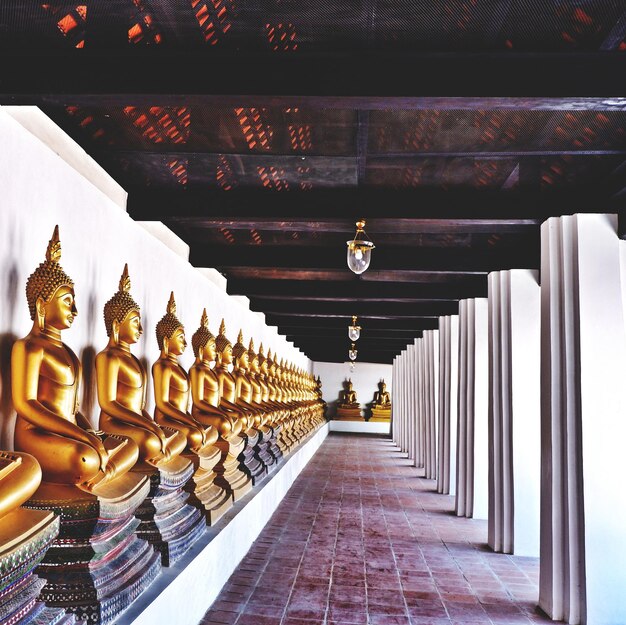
[(40, 189), (365, 378)]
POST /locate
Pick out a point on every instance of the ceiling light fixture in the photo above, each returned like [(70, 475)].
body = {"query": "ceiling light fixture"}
[(354, 331), (352, 353), (359, 249)]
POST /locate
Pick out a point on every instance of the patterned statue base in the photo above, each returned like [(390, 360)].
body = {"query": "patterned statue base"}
[(273, 442), (25, 536), (229, 476), (168, 522), (381, 414), (97, 566), (349, 414), (249, 460), (264, 447)]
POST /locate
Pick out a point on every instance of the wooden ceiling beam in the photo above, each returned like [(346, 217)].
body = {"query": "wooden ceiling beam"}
[(355, 289), (225, 258), (405, 276), (161, 75), (413, 324), (256, 205), (372, 309), (398, 225)]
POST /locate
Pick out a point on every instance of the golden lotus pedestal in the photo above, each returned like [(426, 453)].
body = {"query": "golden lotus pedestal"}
[(97, 566), (349, 414), (25, 536), (382, 415)]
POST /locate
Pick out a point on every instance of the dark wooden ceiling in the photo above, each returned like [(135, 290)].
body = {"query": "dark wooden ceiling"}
[(260, 130)]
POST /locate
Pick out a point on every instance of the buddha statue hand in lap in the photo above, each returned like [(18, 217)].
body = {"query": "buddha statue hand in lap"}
[(172, 387), (208, 407), (46, 377), (122, 385)]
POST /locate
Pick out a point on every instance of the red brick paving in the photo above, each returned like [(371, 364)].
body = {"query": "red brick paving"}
[(362, 539)]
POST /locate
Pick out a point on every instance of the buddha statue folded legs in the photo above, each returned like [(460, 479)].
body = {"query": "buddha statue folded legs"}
[(86, 475), (122, 389), (172, 389)]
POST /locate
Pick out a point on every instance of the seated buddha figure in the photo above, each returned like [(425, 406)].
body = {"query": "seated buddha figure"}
[(275, 410), (348, 397), (122, 385), (243, 386), (381, 397), (46, 376), (208, 408), (172, 388)]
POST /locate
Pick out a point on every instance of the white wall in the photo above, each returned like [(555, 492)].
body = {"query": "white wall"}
[(41, 189), (365, 378)]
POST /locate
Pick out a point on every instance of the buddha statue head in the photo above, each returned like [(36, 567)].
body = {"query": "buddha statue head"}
[(50, 291), (271, 365), (203, 342), (170, 332), (240, 353), (253, 359), (122, 315), (383, 386), (224, 346), (262, 361)]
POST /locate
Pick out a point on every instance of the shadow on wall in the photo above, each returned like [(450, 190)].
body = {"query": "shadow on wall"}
[(88, 405), (7, 412)]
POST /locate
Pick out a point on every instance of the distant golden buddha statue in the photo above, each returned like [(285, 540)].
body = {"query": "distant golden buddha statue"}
[(348, 408), (381, 406), (46, 376), (243, 386), (381, 397), (172, 390), (250, 463), (348, 397), (122, 385), (208, 409)]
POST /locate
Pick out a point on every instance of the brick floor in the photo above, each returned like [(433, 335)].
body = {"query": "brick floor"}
[(362, 539)]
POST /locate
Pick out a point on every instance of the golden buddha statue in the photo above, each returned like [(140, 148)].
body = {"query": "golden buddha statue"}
[(381, 405), (122, 386), (244, 393), (381, 397), (208, 409), (266, 427), (172, 391), (250, 463), (349, 408), (46, 376)]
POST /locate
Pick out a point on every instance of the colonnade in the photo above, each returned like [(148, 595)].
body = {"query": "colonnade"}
[(515, 407)]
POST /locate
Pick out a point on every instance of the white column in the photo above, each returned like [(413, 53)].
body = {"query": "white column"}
[(414, 400), (430, 418), (514, 412), (419, 354), (447, 409), (401, 401), (583, 352), (393, 426), (472, 444)]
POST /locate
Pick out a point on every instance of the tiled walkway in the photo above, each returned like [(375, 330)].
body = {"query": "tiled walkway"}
[(362, 539)]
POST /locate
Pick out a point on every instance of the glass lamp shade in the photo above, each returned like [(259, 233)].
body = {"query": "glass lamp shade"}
[(352, 353), (359, 255), (354, 332)]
